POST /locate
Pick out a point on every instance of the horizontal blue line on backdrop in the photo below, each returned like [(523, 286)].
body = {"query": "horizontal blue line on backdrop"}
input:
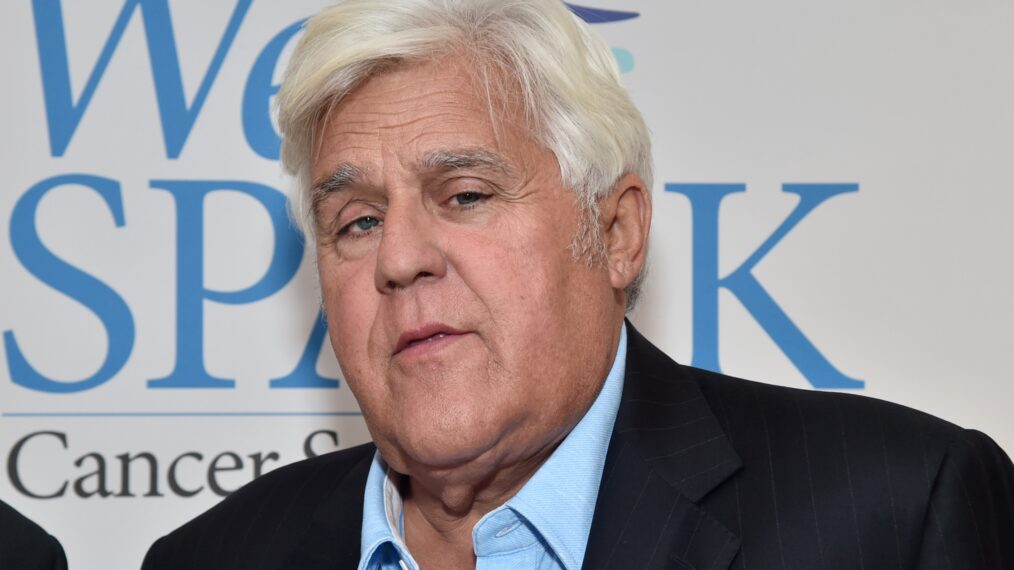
[(173, 414)]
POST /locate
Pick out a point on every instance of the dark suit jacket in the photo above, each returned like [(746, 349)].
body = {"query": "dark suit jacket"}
[(25, 546), (703, 472)]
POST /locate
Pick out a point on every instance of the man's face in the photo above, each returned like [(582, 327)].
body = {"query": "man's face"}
[(462, 322)]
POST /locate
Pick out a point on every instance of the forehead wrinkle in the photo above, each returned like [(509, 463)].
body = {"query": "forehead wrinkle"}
[(412, 94), (390, 114), (422, 139), (409, 129)]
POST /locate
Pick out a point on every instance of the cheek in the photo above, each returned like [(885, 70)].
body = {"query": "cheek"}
[(517, 280), (349, 302), (498, 265)]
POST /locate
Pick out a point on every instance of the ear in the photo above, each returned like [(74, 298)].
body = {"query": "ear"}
[(625, 215)]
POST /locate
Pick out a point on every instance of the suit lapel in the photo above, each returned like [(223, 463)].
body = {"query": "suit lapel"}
[(667, 452), (332, 538)]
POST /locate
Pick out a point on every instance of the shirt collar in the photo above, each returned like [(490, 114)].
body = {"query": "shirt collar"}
[(382, 516), (559, 499)]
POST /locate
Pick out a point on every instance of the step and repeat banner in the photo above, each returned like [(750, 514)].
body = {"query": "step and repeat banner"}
[(833, 190)]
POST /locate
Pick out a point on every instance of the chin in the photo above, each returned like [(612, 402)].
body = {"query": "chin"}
[(449, 444)]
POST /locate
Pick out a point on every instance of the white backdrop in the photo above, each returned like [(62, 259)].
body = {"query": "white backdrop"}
[(138, 239)]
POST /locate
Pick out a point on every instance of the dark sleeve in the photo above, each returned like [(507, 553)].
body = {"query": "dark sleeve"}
[(52, 557), (153, 559), (25, 545), (970, 520)]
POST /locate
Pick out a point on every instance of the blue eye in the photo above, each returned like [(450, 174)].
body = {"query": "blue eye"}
[(466, 198), (367, 222), (363, 224)]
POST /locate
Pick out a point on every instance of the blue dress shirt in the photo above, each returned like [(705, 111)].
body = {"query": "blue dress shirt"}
[(544, 526)]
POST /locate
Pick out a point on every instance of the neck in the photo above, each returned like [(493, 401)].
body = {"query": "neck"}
[(442, 508)]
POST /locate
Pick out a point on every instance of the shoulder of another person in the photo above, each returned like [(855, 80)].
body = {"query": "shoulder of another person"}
[(25, 545)]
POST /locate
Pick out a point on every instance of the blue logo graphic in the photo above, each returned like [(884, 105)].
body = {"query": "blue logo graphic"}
[(624, 58), (600, 16)]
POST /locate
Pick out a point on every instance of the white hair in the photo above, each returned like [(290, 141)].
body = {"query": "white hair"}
[(570, 88)]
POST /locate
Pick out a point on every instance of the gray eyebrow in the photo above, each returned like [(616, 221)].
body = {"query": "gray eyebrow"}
[(347, 174), (464, 158), (344, 176)]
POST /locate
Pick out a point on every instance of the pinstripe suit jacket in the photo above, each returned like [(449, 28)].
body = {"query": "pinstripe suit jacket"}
[(703, 472)]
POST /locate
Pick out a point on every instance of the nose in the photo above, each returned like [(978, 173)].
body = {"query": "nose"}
[(409, 249)]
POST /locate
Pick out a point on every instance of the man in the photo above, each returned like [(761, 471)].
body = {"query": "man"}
[(477, 185), (24, 545)]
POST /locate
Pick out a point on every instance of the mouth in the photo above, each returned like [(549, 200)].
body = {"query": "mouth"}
[(426, 337)]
